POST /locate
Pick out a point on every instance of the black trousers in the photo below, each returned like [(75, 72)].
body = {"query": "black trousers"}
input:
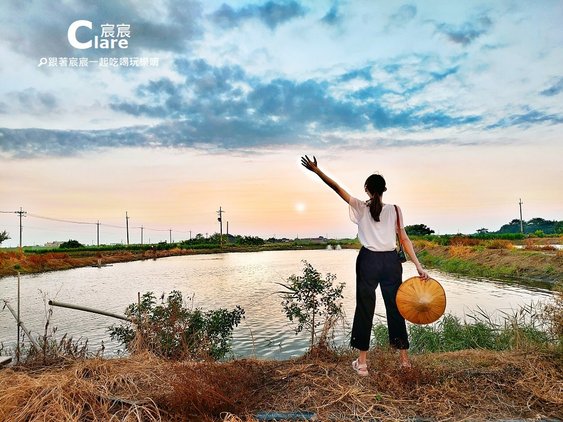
[(373, 269)]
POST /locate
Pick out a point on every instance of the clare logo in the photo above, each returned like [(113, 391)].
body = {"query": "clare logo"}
[(111, 36)]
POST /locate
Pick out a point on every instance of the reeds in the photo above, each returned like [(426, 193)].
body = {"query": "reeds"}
[(526, 328)]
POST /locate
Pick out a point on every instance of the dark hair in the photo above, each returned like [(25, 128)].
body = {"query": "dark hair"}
[(375, 184)]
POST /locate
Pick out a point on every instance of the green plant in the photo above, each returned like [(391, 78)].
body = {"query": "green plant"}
[(4, 236), (522, 329), (174, 331), (311, 301), (71, 244)]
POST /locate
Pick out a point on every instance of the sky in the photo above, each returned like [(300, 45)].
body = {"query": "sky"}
[(459, 105)]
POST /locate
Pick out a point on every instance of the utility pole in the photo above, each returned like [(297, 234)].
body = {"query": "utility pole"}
[(521, 223), (127, 226), (98, 233), (220, 220), (190, 235), (141, 235), (21, 214), (170, 235), (227, 232)]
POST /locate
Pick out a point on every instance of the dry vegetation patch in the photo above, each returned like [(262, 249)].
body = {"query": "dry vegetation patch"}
[(476, 385)]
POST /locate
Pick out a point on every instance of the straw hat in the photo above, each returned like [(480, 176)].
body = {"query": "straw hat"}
[(420, 301)]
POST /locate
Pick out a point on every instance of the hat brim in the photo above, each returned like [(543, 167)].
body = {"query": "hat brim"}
[(421, 301)]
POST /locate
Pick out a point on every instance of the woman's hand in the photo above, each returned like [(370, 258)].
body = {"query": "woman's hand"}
[(310, 165), (423, 274)]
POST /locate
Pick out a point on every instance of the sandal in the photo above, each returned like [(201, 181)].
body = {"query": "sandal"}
[(405, 365), (361, 369)]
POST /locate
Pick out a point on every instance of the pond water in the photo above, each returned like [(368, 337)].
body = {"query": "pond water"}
[(224, 280)]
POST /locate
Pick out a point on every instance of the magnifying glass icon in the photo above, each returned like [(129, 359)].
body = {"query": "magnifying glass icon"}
[(42, 61)]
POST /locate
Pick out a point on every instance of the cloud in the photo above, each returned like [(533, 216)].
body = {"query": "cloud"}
[(555, 89), (227, 108), (530, 118), (467, 32), (40, 30), (271, 14), (404, 15), (333, 16), (29, 101)]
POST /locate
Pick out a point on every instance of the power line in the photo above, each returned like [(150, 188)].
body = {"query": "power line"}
[(59, 220)]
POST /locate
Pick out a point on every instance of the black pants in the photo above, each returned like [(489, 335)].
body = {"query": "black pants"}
[(373, 268)]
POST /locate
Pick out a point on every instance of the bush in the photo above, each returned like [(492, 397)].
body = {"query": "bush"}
[(521, 330), (312, 301), (173, 331), (71, 244)]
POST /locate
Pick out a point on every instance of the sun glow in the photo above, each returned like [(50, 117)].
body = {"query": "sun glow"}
[(300, 207)]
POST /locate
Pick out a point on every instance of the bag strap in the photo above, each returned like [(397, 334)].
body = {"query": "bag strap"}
[(398, 225)]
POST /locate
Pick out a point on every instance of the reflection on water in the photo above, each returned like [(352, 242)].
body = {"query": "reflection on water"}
[(224, 280)]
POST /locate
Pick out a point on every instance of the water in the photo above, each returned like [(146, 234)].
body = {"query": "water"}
[(224, 280)]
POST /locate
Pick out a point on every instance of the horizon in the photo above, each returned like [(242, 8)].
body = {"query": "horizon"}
[(201, 105)]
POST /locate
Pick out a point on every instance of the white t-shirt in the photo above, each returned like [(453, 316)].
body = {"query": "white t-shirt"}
[(378, 236)]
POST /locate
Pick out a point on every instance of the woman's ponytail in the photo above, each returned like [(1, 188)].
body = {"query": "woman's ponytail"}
[(375, 185), (375, 207)]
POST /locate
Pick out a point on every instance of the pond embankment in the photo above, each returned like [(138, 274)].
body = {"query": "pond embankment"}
[(465, 385), (494, 259), (535, 261)]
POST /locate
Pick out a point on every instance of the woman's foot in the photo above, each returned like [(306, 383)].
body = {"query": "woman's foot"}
[(360, 368), (404, 361)]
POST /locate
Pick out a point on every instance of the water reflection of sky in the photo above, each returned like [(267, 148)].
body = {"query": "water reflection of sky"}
[(226, 280)]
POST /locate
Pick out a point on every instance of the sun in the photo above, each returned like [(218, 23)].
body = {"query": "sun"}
[(300, 207)]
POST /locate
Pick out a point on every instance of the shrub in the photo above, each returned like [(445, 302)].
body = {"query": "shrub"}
[(71, 244), (499, 244), (312, 302), (173, 331)]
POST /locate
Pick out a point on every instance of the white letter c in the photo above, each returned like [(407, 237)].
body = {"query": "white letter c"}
[(71, 34)]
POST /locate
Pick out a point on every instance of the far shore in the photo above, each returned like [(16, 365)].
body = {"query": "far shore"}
[(534, 261)]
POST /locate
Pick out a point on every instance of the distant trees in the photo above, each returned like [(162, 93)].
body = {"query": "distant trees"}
[(4, 236), (418, 230), (532, 226), (71, 244)]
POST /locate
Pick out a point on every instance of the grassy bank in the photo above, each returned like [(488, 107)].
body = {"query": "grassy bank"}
[(475, 385), (32, 260), (498, 259), (536, 261)]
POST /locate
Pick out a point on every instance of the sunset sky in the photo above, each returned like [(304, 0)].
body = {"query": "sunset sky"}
[(458, 104)]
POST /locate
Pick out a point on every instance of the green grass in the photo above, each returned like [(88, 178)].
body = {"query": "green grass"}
[(465, 267), (523, 329)]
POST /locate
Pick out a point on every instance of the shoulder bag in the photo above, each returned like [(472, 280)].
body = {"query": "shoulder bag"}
[(400, 251)]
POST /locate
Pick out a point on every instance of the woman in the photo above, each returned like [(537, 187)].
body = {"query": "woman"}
[(377, 263)]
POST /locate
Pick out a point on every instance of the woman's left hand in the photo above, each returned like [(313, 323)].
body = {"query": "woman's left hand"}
[(310, 164), (423, 274)]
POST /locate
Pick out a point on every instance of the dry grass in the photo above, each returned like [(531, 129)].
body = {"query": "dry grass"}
[(499, 244), (460, 251), (467, 385)]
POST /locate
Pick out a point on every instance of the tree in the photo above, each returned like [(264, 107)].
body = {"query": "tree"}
[(418, 230), (4, 236), (483, 231), (311, 301), (71, 244)]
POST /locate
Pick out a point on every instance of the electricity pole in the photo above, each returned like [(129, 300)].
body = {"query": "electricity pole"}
[(21, 214), (127, 226), (141, 235), (170, 235), (521, 224), (98, 233), (220, 219)]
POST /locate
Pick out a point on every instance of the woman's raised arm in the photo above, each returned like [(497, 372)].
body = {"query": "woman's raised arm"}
[(312, 166)]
